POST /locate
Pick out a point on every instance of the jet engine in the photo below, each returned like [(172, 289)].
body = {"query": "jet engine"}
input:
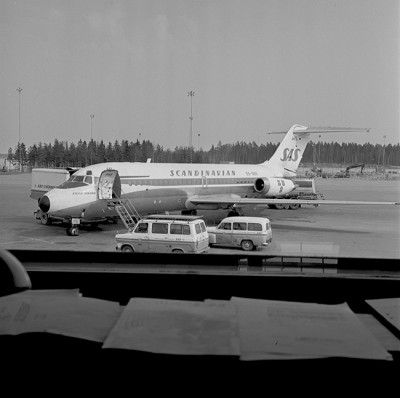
[(271, 187)]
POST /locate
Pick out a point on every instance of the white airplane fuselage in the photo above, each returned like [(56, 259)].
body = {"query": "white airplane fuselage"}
[(158, 187)]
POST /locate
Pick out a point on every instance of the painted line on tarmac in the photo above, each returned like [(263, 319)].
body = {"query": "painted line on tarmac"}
[(10, 243), (36, 239)]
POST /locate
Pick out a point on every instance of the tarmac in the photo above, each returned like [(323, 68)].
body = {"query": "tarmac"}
[(365, 231)]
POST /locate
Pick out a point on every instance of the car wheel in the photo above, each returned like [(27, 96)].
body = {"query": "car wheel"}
[(127, 249), (247, 245), (177, 251)]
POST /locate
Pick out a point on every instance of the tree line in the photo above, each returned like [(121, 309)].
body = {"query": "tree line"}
[(65, 154)]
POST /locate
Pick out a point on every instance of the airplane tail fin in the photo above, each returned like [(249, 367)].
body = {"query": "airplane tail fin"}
[(290, 151)]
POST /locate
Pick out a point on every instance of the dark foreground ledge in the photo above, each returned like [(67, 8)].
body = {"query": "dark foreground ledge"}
[(121, 276)]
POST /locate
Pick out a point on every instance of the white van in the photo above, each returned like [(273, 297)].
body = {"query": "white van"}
[(161, 233), (245, 232)]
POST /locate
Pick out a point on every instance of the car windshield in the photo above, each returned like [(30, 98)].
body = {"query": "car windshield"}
[(142, 228), (225, 225)]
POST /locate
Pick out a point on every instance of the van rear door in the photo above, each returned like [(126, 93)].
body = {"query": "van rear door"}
[(202, 239)]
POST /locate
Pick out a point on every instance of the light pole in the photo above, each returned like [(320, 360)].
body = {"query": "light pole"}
[(384, 149), (198, 141), (19, 89), (91, 136), (191, 95), (319, 149)]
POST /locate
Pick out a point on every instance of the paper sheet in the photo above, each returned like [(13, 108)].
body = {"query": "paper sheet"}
[(389, 308), (60, 312), (277, 329), (176, 327)]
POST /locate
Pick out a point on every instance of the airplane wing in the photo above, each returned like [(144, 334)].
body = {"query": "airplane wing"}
[(229, 200)]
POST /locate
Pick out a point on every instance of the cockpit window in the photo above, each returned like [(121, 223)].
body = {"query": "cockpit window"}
[(76, 181), (77, 178)]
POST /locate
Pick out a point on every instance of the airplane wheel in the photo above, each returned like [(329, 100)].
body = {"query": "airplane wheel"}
[(247, 245), (294, 206), (279, 206), (73, 231)]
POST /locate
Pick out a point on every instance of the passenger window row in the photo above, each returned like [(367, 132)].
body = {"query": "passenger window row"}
[(185, 181), (241, 226), (175, 229)]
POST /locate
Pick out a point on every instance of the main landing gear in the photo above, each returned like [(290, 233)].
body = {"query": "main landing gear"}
[(282, 206)]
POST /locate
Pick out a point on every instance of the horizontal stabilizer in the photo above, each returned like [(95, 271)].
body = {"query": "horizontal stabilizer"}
[(318, 130)]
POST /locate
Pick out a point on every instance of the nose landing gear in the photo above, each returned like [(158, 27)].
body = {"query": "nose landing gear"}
[(73, 231)]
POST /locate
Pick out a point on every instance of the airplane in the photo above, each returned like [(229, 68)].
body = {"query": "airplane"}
[(87, 196)]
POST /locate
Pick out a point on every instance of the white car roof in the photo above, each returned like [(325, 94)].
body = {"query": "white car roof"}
[(245, 219), (166, 217)]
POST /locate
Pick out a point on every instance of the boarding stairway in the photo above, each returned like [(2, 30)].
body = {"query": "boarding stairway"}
[(126, 211)]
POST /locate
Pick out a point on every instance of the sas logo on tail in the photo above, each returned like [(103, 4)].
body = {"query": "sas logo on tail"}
[(290, 154)]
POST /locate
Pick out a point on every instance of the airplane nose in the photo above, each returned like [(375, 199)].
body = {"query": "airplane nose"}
[(44, 204)]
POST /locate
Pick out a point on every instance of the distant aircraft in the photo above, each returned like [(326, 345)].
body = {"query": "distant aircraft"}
[(187, 187)]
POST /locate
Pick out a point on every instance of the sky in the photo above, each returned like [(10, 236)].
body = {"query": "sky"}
[(255, 66)]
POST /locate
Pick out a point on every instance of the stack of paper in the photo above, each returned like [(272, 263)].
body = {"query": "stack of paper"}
[(63, 312), (251, 329)]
